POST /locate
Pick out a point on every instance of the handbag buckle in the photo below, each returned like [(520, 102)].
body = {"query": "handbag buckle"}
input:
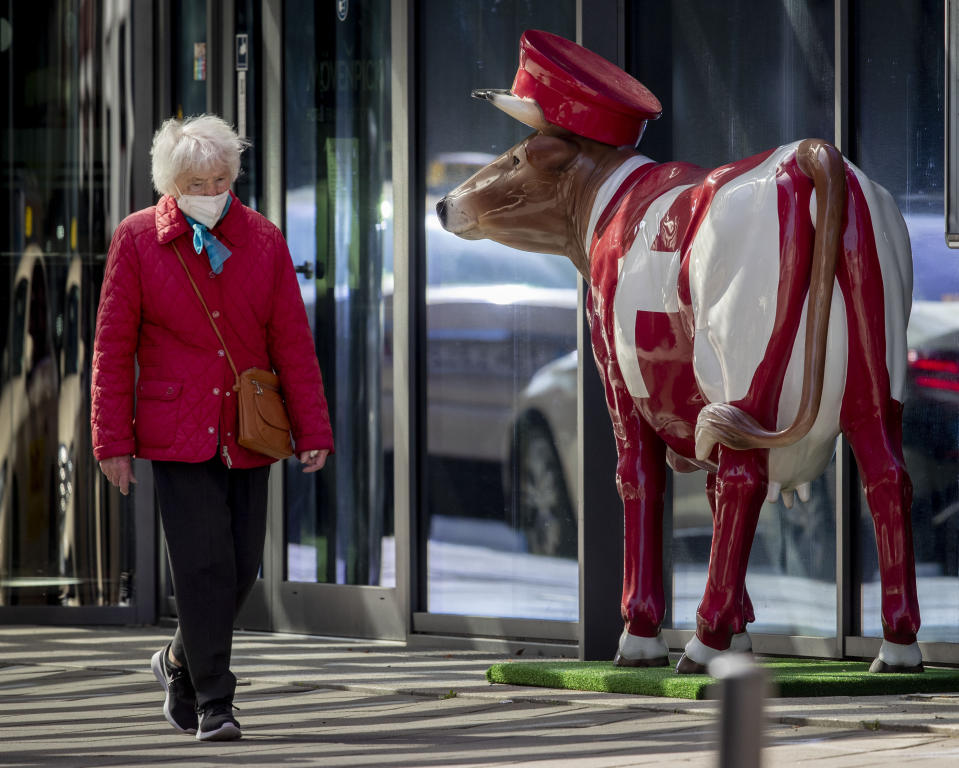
[(256, 384)]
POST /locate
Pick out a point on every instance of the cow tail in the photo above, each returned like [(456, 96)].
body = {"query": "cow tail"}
[(733, 427)]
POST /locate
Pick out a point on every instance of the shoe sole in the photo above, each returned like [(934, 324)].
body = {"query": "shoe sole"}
[(226, 732), (156, 664)]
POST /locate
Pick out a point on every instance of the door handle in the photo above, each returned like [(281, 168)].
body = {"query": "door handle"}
[(305, 269)]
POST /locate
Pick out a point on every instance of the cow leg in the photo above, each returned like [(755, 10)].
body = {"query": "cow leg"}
[(741, 641), (877, 444), (872, 422), (740, 492), (641, 480)]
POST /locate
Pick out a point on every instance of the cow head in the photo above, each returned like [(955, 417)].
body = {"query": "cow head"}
[(536, 196)]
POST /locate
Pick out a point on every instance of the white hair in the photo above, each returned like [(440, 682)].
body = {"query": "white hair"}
[(199, 144)]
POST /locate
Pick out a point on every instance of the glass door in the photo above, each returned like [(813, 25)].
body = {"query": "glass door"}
[(333, 557), (499, 531)]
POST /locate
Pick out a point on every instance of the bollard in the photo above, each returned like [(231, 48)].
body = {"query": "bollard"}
[(742, 690)]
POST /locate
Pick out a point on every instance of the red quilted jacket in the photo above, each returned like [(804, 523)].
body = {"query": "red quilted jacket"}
[(182, 405)]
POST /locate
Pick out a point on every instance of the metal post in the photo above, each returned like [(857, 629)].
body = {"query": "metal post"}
[(742, 694), (600, 510)]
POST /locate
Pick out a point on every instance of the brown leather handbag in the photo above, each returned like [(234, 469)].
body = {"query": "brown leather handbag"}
[(264, 425)]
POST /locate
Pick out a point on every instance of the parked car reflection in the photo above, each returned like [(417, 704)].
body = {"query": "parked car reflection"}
[(64, 540), (540, 470), (494, 316), (28, 448), (95, 534)]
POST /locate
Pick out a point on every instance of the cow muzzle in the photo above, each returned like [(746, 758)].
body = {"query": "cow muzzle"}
[(441, 209), (453, 218)]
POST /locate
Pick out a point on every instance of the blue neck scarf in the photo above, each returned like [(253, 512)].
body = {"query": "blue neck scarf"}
[(216, 252)]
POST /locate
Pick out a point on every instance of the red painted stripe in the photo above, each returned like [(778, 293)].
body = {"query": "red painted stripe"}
[(860, 279), (796, 236), (675, 224), (665, 357), (613, 205)]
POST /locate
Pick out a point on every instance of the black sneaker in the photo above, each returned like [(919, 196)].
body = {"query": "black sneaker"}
[(217, 722), (180, 705)]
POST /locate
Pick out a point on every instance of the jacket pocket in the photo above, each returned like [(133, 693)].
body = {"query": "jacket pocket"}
[(158, 403)]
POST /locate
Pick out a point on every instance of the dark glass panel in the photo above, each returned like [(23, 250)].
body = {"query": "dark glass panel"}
[(65, 538), (339, 522), (897, 107), (498, 524)]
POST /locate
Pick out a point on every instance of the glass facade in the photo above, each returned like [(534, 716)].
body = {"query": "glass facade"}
[(900, 78), (66, 539), (491, 333), (499, 527)]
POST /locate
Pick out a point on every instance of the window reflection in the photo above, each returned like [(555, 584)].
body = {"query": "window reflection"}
[(899, 77), (500, 532), (339, 522), (65, 538), (247, 186), (190, 57)]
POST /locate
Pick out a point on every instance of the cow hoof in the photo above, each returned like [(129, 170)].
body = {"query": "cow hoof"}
[(637, 651), (696, 657), (622, 661), (687, 666), (880, 667), (897, 657)]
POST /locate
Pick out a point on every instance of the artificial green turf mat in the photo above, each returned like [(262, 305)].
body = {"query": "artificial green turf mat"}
[(790, 677)]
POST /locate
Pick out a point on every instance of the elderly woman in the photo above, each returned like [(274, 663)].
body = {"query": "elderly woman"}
[(180, 409)]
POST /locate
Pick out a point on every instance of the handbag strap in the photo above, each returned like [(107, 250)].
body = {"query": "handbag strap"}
[(236, 385)]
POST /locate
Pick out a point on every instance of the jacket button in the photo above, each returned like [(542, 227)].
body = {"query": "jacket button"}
[(220, 352), (169, 390), (212, 274), (215, 313), (216, 390), (211, 430), (228, 393), (229, 434)]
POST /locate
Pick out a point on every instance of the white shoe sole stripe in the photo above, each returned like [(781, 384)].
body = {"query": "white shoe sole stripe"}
[(156, 664)]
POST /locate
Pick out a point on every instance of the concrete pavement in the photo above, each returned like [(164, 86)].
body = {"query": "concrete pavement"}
[(86, 697)]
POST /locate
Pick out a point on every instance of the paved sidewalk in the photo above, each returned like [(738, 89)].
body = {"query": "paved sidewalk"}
[(86, 697)]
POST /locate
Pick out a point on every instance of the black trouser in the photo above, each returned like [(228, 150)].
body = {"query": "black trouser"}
[(214, 520)]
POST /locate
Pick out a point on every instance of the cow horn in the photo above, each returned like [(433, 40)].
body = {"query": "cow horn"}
[(526, 111)]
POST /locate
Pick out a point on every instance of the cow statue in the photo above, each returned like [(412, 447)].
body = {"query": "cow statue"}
[(741, 318)]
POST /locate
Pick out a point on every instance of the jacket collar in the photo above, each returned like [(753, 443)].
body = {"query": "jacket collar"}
[(232, 229)]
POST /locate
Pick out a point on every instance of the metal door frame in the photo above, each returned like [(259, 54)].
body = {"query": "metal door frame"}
[(276, 604)]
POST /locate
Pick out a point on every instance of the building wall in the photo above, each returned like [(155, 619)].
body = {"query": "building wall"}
[(484, 540)]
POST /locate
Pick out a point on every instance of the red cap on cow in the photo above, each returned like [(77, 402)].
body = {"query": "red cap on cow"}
[(581, 91)]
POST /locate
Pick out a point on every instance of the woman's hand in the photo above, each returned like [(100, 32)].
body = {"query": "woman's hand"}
[(119, 471), (313, 460)]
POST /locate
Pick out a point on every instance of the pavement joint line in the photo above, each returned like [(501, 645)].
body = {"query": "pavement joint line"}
[(865, 725), (548, 697)]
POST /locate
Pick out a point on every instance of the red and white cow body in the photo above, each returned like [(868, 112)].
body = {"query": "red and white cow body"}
[(700, 283)]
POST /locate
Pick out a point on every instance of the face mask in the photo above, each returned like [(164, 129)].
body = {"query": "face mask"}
[(204, 208)]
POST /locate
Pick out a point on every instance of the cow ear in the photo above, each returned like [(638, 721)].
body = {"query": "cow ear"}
[(550, 153)]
